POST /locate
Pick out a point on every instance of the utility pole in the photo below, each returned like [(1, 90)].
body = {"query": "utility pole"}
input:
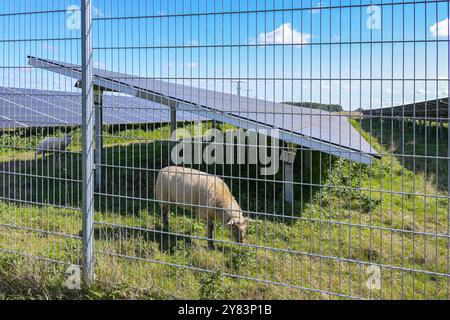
[(239, 86)]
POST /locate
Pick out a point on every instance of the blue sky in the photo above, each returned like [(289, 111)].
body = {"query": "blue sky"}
[(355, 53)]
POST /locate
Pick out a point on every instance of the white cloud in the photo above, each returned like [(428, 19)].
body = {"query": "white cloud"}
[(441, 29), (49, 47), (97, 12), (99, 65), (318, 5), (26, 69), (252, 41), (336, 38), (193, 43), (325, 85), (191, 65), (284, 34)]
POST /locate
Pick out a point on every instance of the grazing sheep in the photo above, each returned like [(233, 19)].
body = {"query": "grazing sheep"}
[(53, 145), (208, 195)]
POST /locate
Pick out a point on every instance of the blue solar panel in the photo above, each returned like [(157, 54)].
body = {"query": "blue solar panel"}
[(314, 129), (35, 108)]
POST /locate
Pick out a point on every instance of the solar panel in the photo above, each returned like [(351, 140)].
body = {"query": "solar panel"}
[(314, 129), (430, 110), (35, 108)]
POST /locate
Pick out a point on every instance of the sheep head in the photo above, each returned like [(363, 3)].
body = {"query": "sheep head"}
[(237, 223)]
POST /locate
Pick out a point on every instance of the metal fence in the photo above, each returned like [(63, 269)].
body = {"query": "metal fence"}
[(319, 132)]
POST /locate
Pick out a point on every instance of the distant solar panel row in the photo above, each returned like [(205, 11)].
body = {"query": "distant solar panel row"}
[(313, 129), (426, 110), (34, 108)]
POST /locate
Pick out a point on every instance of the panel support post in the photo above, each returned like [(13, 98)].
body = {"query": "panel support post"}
[(98, 102), (288, 159), (173, 125), (173, 119), (307, 158), (88, 143)]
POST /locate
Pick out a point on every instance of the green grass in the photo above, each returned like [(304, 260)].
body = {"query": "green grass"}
[(345, 217)]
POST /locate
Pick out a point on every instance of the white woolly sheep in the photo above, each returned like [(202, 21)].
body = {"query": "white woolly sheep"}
[(207, 195), (53, 145)]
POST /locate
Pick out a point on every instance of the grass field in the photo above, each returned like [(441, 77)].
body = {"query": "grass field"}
[(346, 217)]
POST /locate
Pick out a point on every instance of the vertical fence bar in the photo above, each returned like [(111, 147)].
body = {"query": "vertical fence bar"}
[(98, 102), (88, 140), (448, 151)]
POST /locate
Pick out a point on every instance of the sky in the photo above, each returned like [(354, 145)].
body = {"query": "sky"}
[(359, 54)]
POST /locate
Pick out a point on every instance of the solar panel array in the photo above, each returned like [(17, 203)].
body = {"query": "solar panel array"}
[(430, 110), (315, 129), (36, 108)]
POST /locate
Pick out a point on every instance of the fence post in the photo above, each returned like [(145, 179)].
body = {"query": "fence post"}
[(88, 141)]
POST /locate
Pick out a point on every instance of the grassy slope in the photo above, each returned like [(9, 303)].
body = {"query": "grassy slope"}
[(358, 217)]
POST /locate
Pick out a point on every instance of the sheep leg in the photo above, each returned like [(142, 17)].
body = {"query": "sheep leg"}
[(165, 213), (210, 235)]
